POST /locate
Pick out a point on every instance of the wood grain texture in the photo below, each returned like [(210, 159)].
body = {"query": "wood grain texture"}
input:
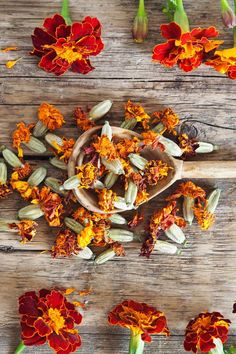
[(203, 276)]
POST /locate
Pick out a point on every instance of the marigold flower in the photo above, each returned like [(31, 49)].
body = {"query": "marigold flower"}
[(21, 172), (137, 112), (83, 216), (188, 189), (124, 147), (62, 47), (64, 151), (47, 317), (87, 174), (21, 134), (167, 120), (5, 190), (204, 217), (188, 145), (50, 116), (82, 120), (188, 50), (105, 148), (86, 235), (203, 330), (51, 205), (224, 61), (66, 244), (25, 189), (151, 138), (142, 197), (155, 171), (26, 229), (142, 320), (106, 199)]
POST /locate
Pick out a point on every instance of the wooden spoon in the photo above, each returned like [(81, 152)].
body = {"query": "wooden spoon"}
[(181, 169)]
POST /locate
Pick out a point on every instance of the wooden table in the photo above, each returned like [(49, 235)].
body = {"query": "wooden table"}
[(203, 276)]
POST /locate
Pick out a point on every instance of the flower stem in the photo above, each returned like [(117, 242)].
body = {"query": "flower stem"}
[(225, 5), (65, 12), (180, 16), (141, 8), (19, 348), (234, 33), (136, 344)]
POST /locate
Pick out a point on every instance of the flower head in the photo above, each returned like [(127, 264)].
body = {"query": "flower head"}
[(47, 317), (66, 244), (5, 190), (86, 235), (21, 172), (203, 329), (21, 135), (224, 61), (62, 47), (51, 205), (105, 148), (82, 119), (64, 151), (137, 112), (142, 197), (204, 217), (24, 188), (155, 171), (87, 174), (188, 50), (188, 189), (26, 229), (168, 118), (50, 116), (151, 138), (140, 318), (106, 199), (188, 145)]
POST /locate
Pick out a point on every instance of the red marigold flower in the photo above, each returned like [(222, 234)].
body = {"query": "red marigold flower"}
[(21, 134), (62, 47), (82, 119), (50, 116), (204, 331), (224, 61), (51, 205), (5, 190), (142, 320), (26, 229), (47, 317), (187, 50), (66, 244)]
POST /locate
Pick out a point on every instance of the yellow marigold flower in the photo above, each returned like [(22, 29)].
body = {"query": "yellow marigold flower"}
[(64, 151), (136, 111), (106, 199), (204, 217), (86, 235), (168, 119), (224, 61), (188, 189), (26, 229), (26, 191), (105, 148), (50, 116), (142, 197), (21, 134), (87, 174)]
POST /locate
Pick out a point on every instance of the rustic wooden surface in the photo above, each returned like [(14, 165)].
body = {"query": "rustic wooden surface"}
[(203, 276)]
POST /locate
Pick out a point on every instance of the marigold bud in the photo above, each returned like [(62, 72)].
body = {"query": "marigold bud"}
[(140, 25), (228, 15)]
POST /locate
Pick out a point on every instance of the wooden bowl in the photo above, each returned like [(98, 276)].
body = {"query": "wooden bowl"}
[(87, 197)]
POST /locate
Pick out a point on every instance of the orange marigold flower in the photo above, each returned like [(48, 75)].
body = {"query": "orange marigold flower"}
[(188, 145), (66, 244), (21, 172), (168, 119), (151, 138), (142, 197), (106, 199), (187, 50), (47, 317), (25, 189), (21, 135), (5, 190), (82, 120), (124, 147), (136, 111), (224, 61), (51, 205), (203, 330), (26, 229), (62, 47), (64, 151), (142, 319), (86, 235), (105, 148), (204, 217), (83, 216), (155, 171), (188, 189), (87, 174), (50, 116)]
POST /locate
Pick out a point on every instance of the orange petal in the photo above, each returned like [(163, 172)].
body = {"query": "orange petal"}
[(8, 49), (11, 63)]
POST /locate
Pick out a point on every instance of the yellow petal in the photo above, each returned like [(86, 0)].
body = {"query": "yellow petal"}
[(8, 49), (69, 291), (12, 63)]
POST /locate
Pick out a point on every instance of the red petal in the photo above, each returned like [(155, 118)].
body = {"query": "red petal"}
[(63, 31), (55, 299), (36, 340), (204, 32), (80, 30), (82, 66), (77, 317), (57, 342), (41, 37), (28, 306), (52, 23), (161, 52), (171, 31), (42, 328), (95, 23), (27, 331), (46, 62), (146, 337)]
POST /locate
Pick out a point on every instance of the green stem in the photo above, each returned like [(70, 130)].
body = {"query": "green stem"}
[(65, 12), (136, 344), (181, 17), (235, 6), (234, 34), (19, 348), (225, 5), (141, 8)]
